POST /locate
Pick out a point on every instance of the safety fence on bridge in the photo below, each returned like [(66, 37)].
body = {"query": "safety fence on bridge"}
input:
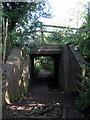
[(39, 33)]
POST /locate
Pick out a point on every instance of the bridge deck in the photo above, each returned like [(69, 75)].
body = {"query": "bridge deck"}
[(46, 50)]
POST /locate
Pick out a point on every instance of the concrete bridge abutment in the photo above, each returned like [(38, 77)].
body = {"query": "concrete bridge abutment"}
[(18, 70), (66, 66)]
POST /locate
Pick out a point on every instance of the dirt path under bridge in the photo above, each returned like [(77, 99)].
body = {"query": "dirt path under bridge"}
[(43, 93)]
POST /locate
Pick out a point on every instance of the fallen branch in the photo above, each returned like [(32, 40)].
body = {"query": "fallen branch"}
[(39, 112)]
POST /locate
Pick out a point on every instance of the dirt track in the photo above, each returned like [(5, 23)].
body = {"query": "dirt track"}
[(43, 91)]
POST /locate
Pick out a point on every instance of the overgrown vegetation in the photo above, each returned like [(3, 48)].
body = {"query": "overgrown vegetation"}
[(81, 40), (21, 18), (43, 63), (83, 100)]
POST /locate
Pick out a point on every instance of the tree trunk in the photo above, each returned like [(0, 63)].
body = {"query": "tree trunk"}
[(5, 29)]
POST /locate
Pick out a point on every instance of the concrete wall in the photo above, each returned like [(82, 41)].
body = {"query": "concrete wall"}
[(63, 66), (70, 67), (16, 75), (17, 72), (75, 67), (67, 66)]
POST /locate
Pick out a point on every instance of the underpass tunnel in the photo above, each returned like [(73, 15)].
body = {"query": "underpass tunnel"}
[(45, 69)]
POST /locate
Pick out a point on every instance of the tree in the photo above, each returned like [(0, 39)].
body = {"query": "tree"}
[(22, 17), (23, 12), (84, 43)]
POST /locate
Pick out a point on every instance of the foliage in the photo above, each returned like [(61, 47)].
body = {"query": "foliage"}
[(43, 63), (22, 13), (84, 44), (83, 101), (13, 12), (51, 68), (37, 69), (79, 38), (49, 64), (23, 17), (53, 37), (63, 36)]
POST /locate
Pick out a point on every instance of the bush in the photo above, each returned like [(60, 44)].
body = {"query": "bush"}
[(83, 100), (37, 70), (43, 63)]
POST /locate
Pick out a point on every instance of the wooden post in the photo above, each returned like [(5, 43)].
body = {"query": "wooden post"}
[(42, 37), (83, 72)]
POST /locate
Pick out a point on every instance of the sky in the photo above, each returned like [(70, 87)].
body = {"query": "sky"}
[(67, 12)]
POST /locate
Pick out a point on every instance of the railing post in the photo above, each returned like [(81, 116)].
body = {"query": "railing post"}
[(42, 37)]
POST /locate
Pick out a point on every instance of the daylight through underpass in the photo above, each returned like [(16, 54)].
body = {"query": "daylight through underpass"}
[(45, 74), (43, 66)]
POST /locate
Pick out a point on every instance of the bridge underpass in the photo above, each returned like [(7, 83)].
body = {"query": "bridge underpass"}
[(67, 66), (66, 69), (46, 51)]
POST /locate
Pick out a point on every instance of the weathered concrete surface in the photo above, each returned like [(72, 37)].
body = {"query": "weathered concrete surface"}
[(17, 70), (63, 69), (74, 67), (67, 64), (16, 74), (46, 50), (70, 67)]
